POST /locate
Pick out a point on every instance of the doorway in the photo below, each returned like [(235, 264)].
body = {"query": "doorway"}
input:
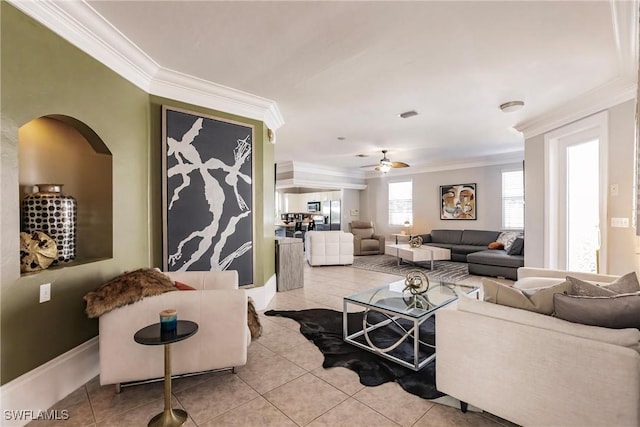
[(576, 166), (582, 200)]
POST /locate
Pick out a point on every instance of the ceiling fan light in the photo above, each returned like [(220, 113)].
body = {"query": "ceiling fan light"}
[(385, 167)]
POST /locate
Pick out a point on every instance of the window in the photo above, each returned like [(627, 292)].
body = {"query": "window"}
[(512, 200), (400, 202)]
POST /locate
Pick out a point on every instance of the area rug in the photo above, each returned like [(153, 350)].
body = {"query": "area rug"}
[(324, 328), (448, 271)]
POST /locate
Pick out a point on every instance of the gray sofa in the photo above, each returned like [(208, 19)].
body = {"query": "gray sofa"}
[(471, 246)]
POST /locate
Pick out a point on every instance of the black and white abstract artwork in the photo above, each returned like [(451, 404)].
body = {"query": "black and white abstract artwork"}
[(207, 194)]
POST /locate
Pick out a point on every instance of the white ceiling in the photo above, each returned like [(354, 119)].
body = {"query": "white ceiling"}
[(347, 69)]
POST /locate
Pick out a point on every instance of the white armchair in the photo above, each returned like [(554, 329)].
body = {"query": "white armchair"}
[(217, 305), (328, 248)]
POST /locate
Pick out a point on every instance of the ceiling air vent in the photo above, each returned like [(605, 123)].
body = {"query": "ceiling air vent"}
[(408, 114)]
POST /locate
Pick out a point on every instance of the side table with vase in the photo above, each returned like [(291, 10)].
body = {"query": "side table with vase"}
[(157, 334)]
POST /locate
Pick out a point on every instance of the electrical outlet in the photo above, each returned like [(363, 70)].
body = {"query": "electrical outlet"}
[(620, 222), (45, 292)]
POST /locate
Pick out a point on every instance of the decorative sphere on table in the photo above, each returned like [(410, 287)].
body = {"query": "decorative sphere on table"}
[(416, 282), (415, 242)]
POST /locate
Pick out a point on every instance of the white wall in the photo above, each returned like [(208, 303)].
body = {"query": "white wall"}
[(426, 199), (350, 205), (534, 208), (620, 241)]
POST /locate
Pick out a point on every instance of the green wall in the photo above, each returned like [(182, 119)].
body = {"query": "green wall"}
[(42, 74), (263, 182)]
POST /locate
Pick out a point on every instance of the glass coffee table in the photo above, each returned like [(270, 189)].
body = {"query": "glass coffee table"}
[(388, 306)]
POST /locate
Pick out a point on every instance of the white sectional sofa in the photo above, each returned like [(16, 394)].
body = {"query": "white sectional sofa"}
[(534, 369), (219, 308), (328, 248)]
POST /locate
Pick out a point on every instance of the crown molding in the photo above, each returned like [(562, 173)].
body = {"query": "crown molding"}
[(606, 96), (186, 88), (624, 22), (316, 169), (327, 170), (284, 167), (309, 183), (81, 25), (624, 17)]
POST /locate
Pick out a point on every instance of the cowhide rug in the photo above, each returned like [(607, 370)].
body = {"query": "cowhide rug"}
[(324, 328)]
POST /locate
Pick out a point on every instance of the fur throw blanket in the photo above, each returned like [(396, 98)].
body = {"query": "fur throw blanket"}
[(133, 286), (126, 289)]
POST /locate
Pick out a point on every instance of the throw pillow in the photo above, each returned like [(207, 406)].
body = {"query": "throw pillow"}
[(617, 312), (539, 300), (184, 287), (517, 247), (587, 289), (126, 289), (496, 245), (507, 238), (622, 285), (625, 284)]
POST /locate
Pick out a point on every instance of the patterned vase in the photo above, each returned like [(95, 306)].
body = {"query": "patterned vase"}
[(55, 214)]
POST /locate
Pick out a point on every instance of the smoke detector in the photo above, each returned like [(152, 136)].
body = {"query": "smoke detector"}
[(511, 106)]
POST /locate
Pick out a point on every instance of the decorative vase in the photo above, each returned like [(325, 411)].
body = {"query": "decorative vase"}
[(55, 214)]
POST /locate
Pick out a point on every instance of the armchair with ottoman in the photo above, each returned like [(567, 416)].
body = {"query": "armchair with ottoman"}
[(216, 304), (365, 239), (537, 369)]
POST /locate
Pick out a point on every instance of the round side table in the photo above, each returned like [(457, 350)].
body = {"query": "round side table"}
[(151, 335)]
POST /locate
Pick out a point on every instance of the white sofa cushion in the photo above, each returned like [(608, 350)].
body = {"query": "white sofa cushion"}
[(629, 337)]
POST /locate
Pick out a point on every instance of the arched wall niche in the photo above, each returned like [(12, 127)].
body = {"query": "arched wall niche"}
[(58, 149)]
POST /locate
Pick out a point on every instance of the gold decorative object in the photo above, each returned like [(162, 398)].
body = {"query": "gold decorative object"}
[(415, 242), (37, 251), (416, 282)]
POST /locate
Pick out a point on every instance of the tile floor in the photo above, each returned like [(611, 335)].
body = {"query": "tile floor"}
[(282, 384)]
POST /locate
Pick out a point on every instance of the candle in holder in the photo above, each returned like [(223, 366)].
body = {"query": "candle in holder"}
[(168, 320)]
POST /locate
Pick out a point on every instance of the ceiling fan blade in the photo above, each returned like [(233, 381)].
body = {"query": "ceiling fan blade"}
[(377, 168), (369, 166), (399, 165)]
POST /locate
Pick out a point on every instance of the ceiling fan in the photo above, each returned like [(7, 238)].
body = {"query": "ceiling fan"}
[(386, 165)]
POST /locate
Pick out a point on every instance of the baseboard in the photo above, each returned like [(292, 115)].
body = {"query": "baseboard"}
[(262, 295), (40, 388)]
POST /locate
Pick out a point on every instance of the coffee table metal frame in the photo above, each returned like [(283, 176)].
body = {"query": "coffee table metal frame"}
[(414, 313)]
